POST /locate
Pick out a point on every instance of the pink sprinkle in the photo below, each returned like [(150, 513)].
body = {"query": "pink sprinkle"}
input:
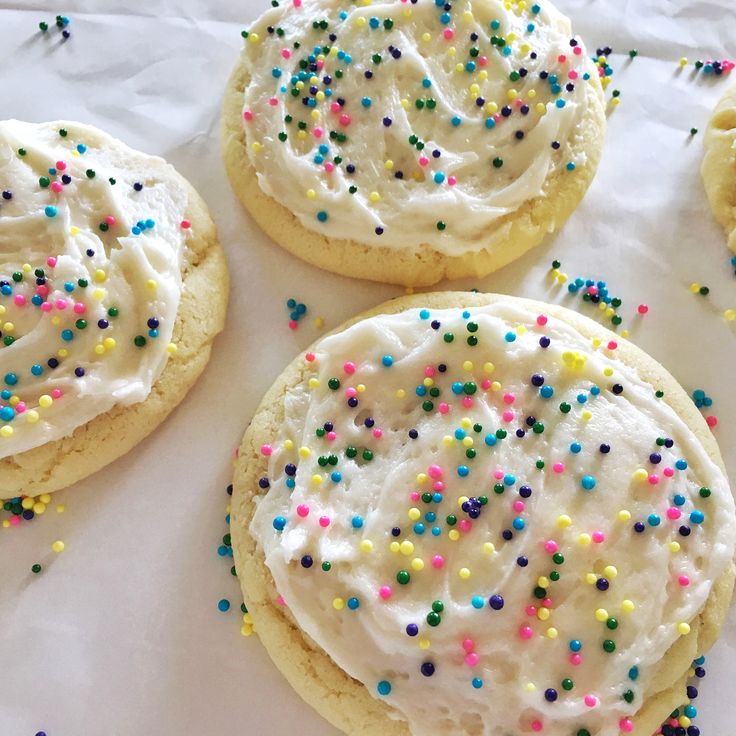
[(280, 600), (273, 102), (485, 384), (331, 436), (577, 51), (593, 290), (509, 398), (572, 74), (345, 119), (518, 506), (668, 472), (451, 181), (42, 290), (350, 392), (318, 132), (61, 304), (293, 324), (378, 433), (423, 160), (626, 725), (547, 603), (335, 107), (711, 420), (329, 167), (465, 525), (550, 546), (482, 60), (542, 320), (20, 407), (531, 610), (266, 450), (467, 401), (536, 726), (14, 520), (448, 34), (110, 220), (324, 521), (434, 471), (508, 415), (575, 659), (562, 58), (469, 645), (429, 371), (642, 309), (349, 367), (438, 562), (612, 345), (591, 701), (443, 408), (472, 659), (297, 3), (673, 513), (247, 115), (684, 580), (498, 474), (51, 261), (598, 537), (415, 495), (385, 592), (653, 479), (60, 165), (558, 468), (309, 357), (19, 300), (320, 63), (56, 187), (519, 103), (302, 510), (526, 632), (56, 393), (46, 307), (285, 53), (185, 224), (438, 486)]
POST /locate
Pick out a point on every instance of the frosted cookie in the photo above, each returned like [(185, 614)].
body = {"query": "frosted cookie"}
[(112, 288), (719, 164), (410, 142), (475, 514)]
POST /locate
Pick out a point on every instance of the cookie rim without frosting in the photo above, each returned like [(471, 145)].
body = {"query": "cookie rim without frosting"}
[(718, 169), (344, 701), (524, 228), (200, 317)]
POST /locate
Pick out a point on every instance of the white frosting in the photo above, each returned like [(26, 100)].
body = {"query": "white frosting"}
[(370, 643), (473, 209), (140, 275)]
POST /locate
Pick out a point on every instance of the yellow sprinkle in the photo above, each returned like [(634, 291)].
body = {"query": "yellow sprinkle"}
[(288, 445), (542, 581), (366, 546), (640, 475), (464, 573), (586, 415), (15, 400), (454, 535), (423, 642), (100, 349), (674, 546), (591, 578), (530, 687), (315, 116), (311, 194), (730, 315), (109, 343), (360, 388), (426, 37), (482, 75), (32, 416), (316, 479), (610, 571), (491, 108), (684, 721), (152, 284), (417, 564), (55, 320), (405, 104), (394, 547), (683, 61), (543, 613), (563, 521), (459, 67), (468, 365), (584, 539), (256, 147), (683, 628), (427, 381), (511, 94), (63, 353), (45, 401), (596, 340), (448, 440), (551, 632), (253, 38), (521, 330), (361, 21), (695, 288), (99, 276), (171, 348), (466, 422), (624, 333), (338, 604), (468, 16), (627, 606), (27, 266), (99, 294), (44, 498), (489, 548), (414, 513), (615, 101), (452, 51), (601, 614), (467, 441), (27, 503), (525, 48), (407, 547), (58, 546), (304, 452), (541, 108), (313, 383), (511, 37), (248, 619), (246, 630), (531, 94), (608, 371), (461, 500), (6, 431), (495, 386), (400, 393), (488, 367), (388, 164), (624, 515)]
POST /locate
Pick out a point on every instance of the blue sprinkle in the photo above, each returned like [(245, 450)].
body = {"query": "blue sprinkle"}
[(223, 605), (387, 360), (279, 523), (357, 522)]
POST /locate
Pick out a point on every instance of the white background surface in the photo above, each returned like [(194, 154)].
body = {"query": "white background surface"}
[(121, 633)]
